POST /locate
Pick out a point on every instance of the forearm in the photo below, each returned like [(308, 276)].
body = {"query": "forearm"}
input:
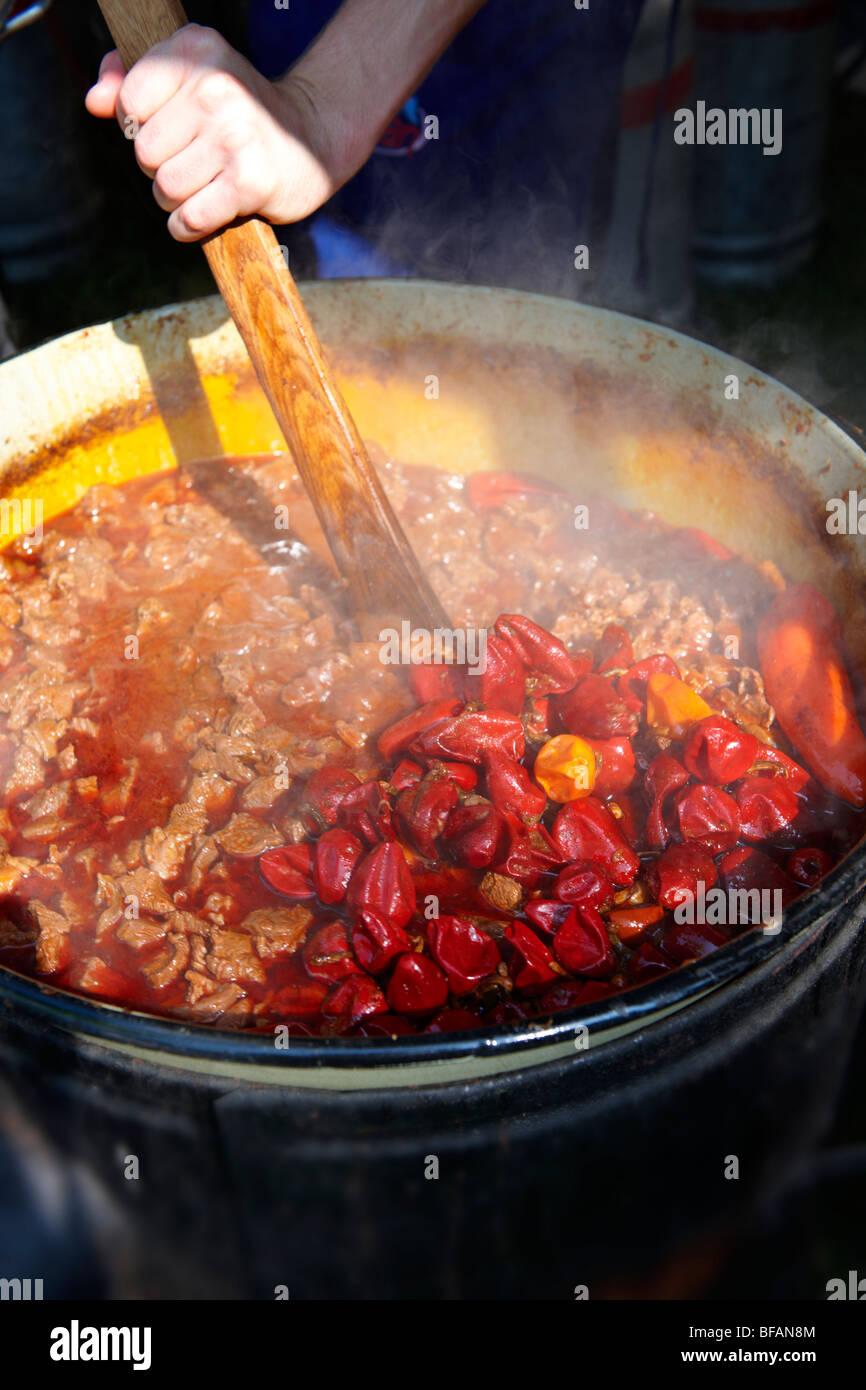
[(365, 64)]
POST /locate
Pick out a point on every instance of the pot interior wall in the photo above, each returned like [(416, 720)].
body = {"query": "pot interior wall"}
[(462, 379)]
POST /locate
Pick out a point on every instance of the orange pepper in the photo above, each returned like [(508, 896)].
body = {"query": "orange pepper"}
[(672, 705), (800, 651), (565, 768), (631, 922)]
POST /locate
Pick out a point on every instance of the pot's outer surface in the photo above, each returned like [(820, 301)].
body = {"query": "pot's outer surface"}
[(556, 1167)]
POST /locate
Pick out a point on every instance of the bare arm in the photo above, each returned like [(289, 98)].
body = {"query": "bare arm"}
[(220, 141)]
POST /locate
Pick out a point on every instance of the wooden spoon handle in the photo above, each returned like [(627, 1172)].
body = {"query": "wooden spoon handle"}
[(366, 539)]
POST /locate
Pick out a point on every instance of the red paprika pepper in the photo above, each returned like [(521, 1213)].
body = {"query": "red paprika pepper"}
[(748, 869), (583, 884), (431, 681), (531, 853), (417, 985), (423, 811), (454, 887), (718, 751), (546, 914), (615, 651), (376, 942), (550, 667), (502, 684), (536, 719), (773, 762), (463, 774), (808, 865), (323, 795), (464, 952), (663, 776), (692, 941), (512, 789), (582, 944), (289, 870), (708, 816), (398, 737), (614, 765), (366, 812), (676, 876), (476, 834), (328, 955), (353, 999), (801, 660), (768, 808), (470, 735), (406, 774), (647, 963), (382, 885), (534, 969), (593, 709), (453, 1021), (334, 859), (566, 994), (587, 830)]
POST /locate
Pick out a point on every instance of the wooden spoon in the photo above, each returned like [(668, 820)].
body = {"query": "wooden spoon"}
[(366, 539)]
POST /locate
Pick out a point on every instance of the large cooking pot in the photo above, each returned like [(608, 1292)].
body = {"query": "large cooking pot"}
[(595, 1151)]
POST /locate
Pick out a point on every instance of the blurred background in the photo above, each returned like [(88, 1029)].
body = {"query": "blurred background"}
[(555, 131)]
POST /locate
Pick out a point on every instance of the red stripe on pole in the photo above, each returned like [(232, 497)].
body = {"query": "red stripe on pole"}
[(640, 105), (724, 21)]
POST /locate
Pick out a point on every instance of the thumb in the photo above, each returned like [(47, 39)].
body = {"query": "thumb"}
[(101, 99)]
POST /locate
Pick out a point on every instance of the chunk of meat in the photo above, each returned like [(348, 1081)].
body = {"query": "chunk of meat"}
[(141, 932), (164, 969), (278, 931), (232, 956), (52, 944), (227, 758), (228, 998), (145, 888), (165, 849), (49, 802), (108, 892), (67, 760), (45, 829), (17, 933), (187, 922), (90, 569), (205, 857), (48, 692), (28, 771), (117, 795), (95, 977), (43, 736), (245, 836), (197, 954), (208, 997), (10, 609), (14, 868), (211, 792), (264, 792)]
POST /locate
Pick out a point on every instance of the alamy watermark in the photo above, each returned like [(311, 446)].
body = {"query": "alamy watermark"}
[(717, 907), (411, 646), (737, 126), (21, 516)]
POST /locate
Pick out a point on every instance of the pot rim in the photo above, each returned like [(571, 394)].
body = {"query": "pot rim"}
[(145, 1033)]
